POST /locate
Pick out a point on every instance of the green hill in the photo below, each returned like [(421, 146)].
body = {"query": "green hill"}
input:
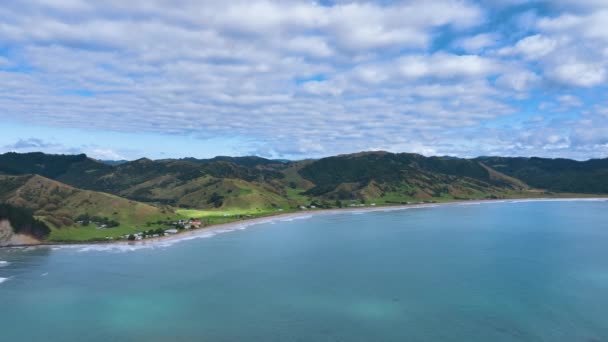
[(22, 221), (139, 194), (557, 175), (395, 177), (60, 205)]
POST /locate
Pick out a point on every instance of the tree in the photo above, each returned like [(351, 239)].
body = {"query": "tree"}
[(216, 199), (23, 221), (131, 237)]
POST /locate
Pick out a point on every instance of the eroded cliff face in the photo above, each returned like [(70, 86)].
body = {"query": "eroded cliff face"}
[(8, 238)]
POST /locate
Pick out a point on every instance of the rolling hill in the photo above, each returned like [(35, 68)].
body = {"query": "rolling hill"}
[(59, 188), (59, 205)]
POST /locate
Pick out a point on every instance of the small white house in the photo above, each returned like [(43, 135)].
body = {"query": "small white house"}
[(171, 231)]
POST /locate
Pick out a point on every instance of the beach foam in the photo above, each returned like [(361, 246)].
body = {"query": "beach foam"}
[(242, 225), (170, 241), (293, 218), (558, 200)]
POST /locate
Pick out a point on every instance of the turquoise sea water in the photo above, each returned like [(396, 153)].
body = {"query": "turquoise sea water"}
[(527, 271)]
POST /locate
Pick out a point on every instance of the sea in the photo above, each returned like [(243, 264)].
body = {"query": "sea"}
[(492, 271)]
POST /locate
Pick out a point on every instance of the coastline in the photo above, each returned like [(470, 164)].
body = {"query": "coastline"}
[(242, 224)]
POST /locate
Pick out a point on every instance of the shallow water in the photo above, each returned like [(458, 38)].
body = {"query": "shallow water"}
[(526, 271)]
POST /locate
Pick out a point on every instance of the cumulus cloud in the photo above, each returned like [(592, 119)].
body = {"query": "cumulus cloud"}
[(297, 77), (478, 42), (105, 154), (29, 144), (532, 47)]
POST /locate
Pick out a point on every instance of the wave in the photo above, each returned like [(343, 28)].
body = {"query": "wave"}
[(293, 218), (558, 200), (4, 263), (242, 225), (172, 240), (2, 280)]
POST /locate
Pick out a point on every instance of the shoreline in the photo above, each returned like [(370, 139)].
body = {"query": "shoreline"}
[(184, 235)]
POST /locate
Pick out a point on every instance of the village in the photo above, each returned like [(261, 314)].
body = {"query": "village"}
[(159, 232)]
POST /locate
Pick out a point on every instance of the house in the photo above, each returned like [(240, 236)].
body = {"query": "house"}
[(170, 231)]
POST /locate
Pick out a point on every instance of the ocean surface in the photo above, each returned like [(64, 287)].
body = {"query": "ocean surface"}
[(516, 271)]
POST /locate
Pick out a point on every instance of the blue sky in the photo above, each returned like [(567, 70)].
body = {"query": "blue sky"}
[(298, 79)]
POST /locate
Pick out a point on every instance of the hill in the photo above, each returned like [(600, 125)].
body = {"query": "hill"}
[(247, 182), (62, 190), (557, 175), (382, 175), (60, 205), (15, 223)]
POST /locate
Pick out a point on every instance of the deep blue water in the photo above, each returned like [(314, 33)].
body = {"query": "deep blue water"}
[(528, 271)]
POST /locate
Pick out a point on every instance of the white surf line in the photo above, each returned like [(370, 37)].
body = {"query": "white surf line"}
[(203, 233)]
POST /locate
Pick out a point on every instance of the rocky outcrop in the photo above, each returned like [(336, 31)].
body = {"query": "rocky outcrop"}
[(8, 238)]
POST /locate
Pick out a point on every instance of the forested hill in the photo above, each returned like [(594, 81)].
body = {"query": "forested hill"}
[(23, 221), (61, 189), (559, 175), (142, 178)]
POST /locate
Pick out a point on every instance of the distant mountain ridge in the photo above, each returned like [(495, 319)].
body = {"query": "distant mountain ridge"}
[(58, 187)]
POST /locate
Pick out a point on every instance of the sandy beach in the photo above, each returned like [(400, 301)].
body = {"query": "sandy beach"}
[(242, 224)]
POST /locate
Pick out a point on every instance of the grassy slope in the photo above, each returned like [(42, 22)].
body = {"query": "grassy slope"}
[(59, 204), (183, 189)]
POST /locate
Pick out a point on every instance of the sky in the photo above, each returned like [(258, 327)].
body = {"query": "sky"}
[(297, 79)]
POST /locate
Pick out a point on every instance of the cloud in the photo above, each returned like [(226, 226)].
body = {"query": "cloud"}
[(518, 80), (532, 47), (478, 42), (299, 77), (28, 144), (579, 73), (569, 101), (105, 154), (441, 65)]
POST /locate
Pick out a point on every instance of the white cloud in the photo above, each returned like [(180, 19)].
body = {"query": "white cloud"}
[(294, 76), (105, 154), (518, 80), (443, 65), (579, 73), (532, 47), (569, 101), (478, 42)]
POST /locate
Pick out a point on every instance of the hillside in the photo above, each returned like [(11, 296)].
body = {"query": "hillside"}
[(59, 205), (379, 175), (17, 224), (60, 189), (247, 182), (557, 175)]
